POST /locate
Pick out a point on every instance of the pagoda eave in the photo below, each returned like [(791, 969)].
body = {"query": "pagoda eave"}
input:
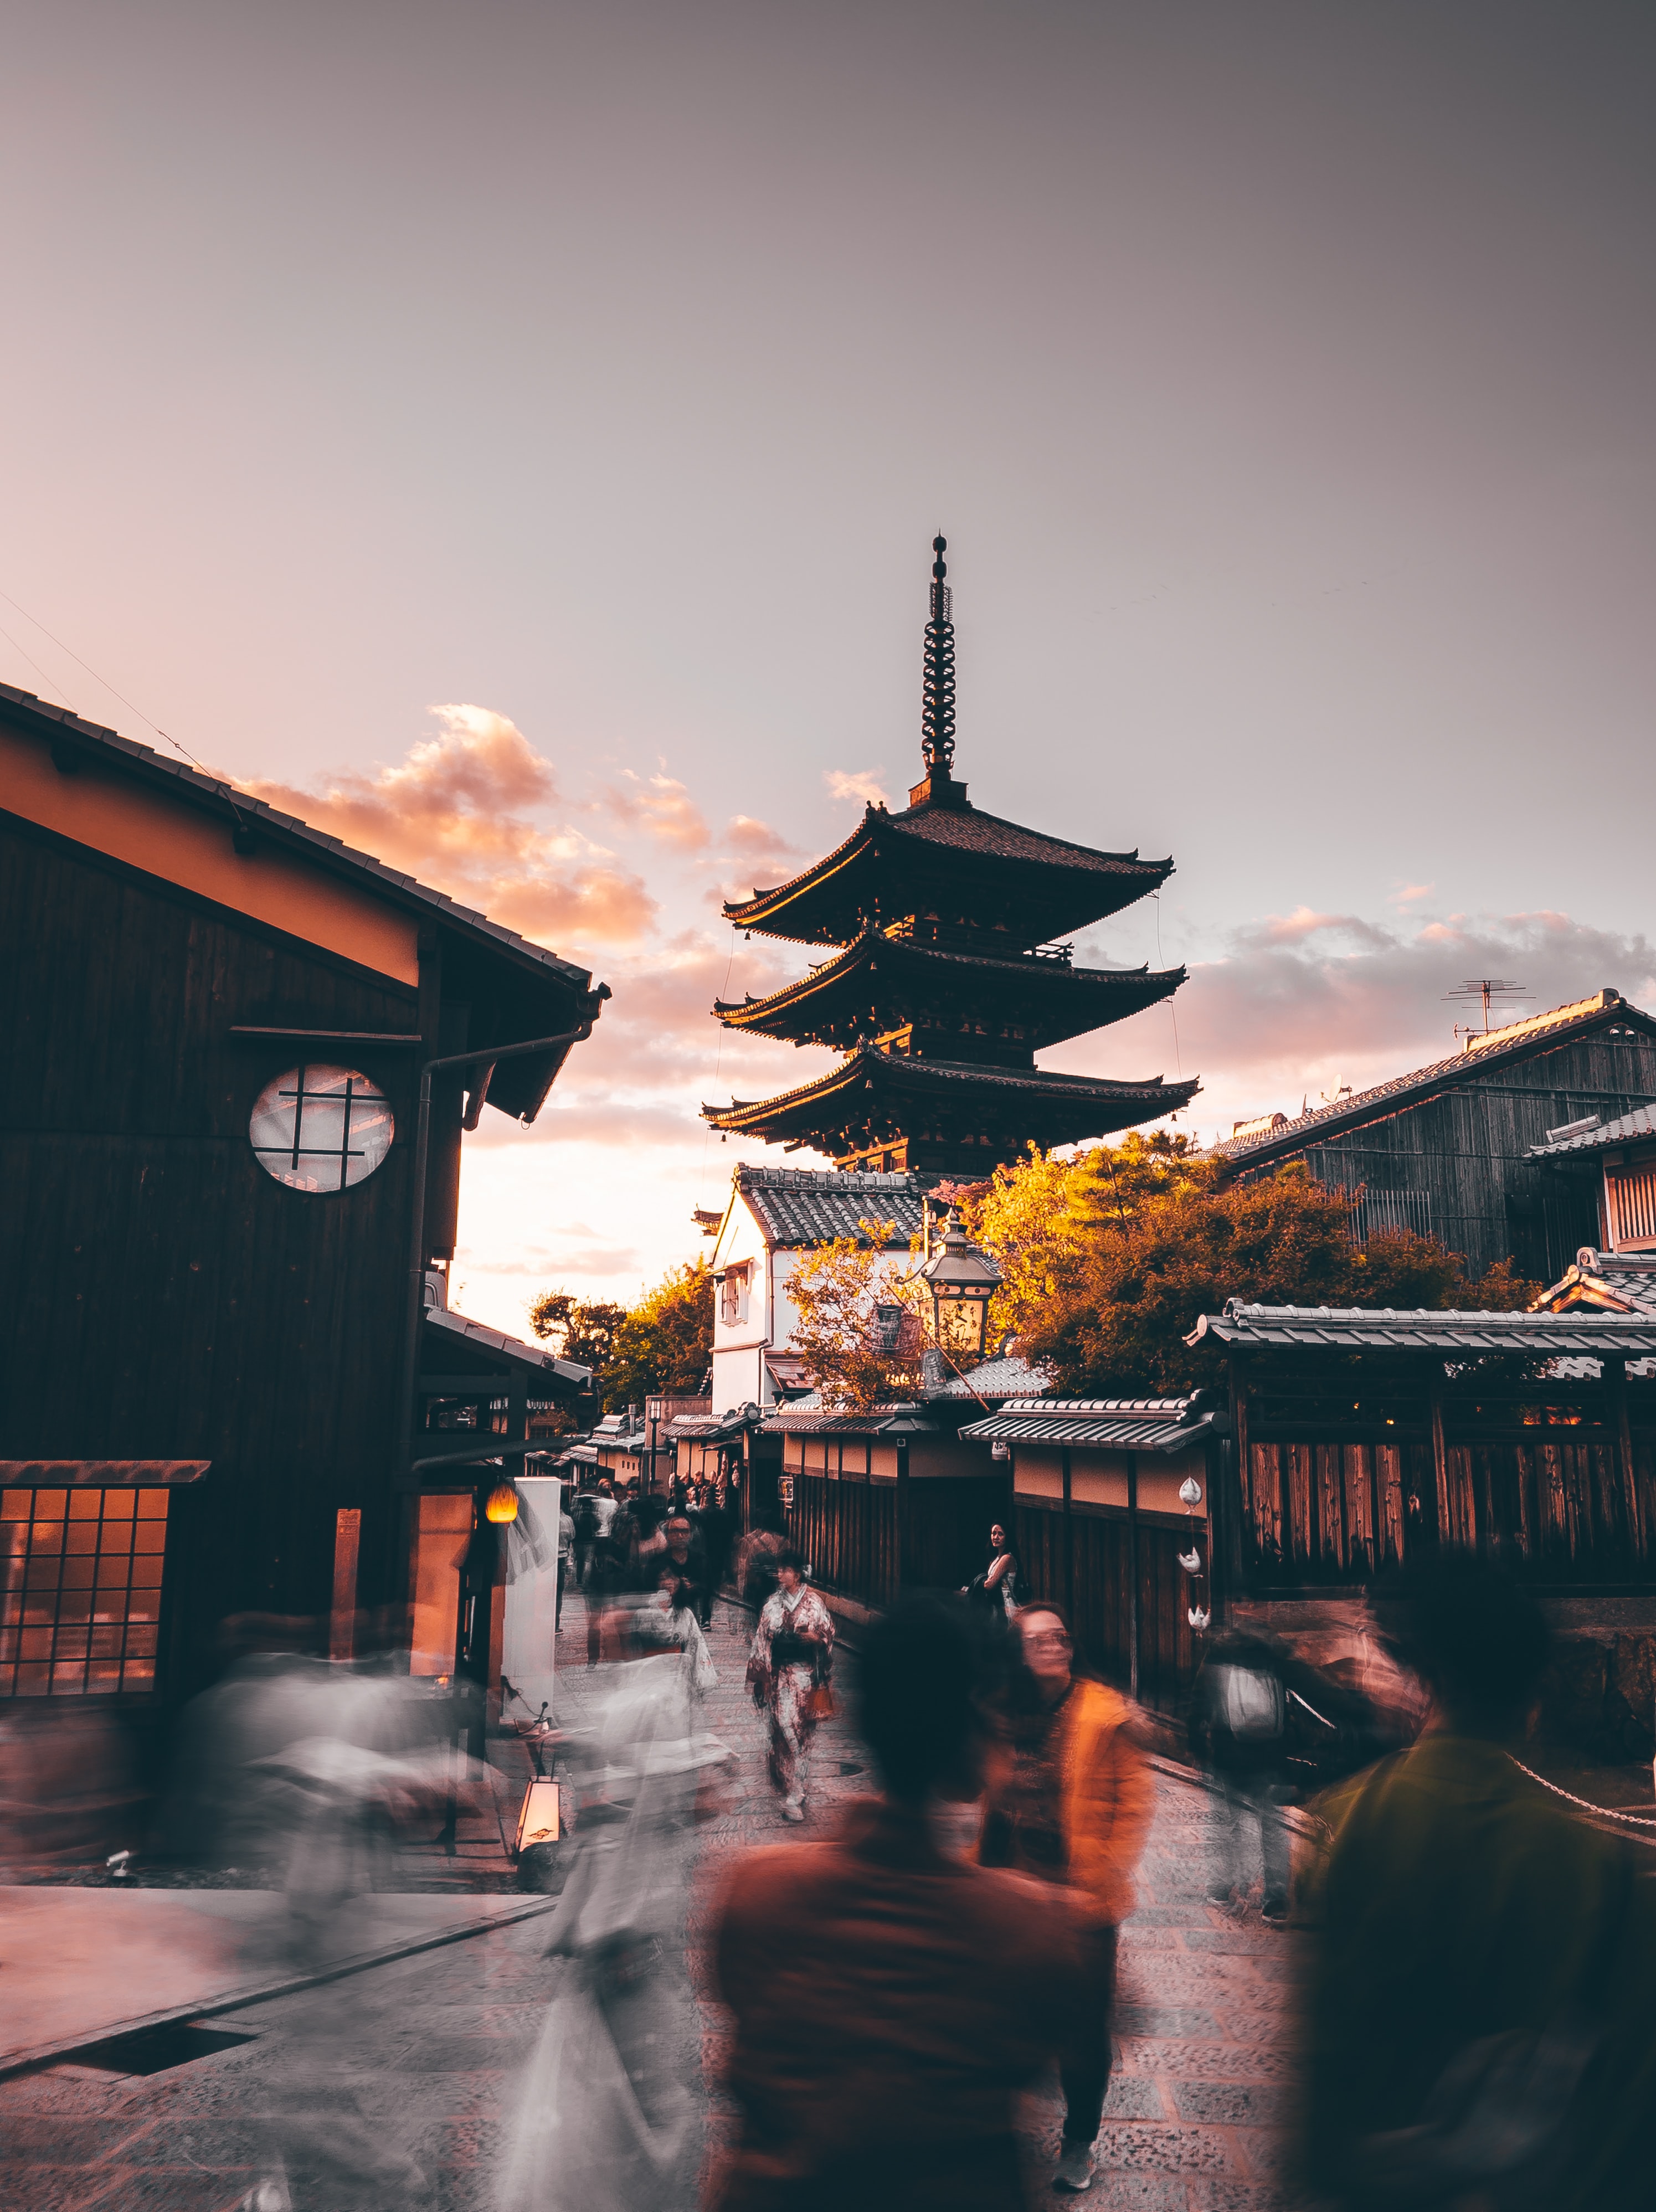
[(880, 982), (875, 1090), (1042, 887)]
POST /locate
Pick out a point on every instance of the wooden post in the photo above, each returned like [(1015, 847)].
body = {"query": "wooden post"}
[(903, 1544), (1440, 1466), (341, 1621), (1132, 1577), (1068, 1546), (1615, 1372)]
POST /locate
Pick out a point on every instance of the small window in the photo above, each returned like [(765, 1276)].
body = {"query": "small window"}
[(80, 1591), (733, 1295), (320, 1128)]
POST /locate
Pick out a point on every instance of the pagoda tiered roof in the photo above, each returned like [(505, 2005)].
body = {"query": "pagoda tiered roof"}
[(1019, 1002), (952, 1115), (949, 981), (947, 857)]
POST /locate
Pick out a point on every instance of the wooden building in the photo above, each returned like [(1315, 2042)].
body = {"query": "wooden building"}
[(1361, 1438), (216, 1020), (1463, 1150), (774, 1215), (1108, 1506), (945, 979), (1612, 1163)]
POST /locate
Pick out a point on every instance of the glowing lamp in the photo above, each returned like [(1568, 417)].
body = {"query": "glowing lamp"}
[(502, 1502), (961, 1281), (541, 1819)]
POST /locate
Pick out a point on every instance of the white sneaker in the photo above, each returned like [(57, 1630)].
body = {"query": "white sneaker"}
[(267, 2197), (1074, 2172)]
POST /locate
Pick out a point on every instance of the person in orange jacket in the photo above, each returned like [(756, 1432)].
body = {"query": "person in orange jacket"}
[(1073, 1806)]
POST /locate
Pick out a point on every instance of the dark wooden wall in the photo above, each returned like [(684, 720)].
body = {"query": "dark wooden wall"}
[(165, 1296), (869, 1538), (1458, 1161), (1538, 1482), (1081, 1559)]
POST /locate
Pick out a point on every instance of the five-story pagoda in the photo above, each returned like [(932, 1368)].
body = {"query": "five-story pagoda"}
[(948, 980)]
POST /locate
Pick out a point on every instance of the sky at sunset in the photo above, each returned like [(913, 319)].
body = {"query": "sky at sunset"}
[(510, 437)]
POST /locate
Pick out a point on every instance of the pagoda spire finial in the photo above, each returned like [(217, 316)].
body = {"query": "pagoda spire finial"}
[(937, 713)]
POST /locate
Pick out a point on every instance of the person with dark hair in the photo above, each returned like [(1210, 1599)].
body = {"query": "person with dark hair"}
[(756, 1556), (1073, 1807), (788, 1669), (1480, 2025), (890, 1999)]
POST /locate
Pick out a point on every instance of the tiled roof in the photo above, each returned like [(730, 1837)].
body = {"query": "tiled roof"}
[(1125, 1423), (808, 1205), (1380, 1328), (494, 1345), (911, 1072), (969, 829), (807, 1415), (1006, 1377), (1516, 1041), (290, 827), (1626, 1128), (1604, 1282)]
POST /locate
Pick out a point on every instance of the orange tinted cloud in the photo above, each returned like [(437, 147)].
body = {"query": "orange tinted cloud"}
[(662, 807), (458, 812)]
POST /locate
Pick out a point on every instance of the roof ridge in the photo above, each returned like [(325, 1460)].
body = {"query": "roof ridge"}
[(1576, 1010), (292, 825)]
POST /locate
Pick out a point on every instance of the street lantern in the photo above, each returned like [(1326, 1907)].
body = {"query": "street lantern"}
[(502, 1502), (962, 1281)]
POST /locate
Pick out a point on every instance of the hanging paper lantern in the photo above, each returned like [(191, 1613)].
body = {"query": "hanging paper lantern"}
[(1190, 1491), (502, 1502)]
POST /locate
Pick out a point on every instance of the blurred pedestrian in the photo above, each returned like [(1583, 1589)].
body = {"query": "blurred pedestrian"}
[(757, 1556), (712, 1522), (890, 1999), (1074, 1809), (996, 1588), (788, 1669), (565, 1545), (1480, 2024), (583, 1512), (684, 1559), (1238, 1733)]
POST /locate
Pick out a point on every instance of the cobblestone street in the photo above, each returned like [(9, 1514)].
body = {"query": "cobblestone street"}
[(437, 2041)]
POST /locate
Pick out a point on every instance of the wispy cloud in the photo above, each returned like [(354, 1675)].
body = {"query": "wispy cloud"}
[(859, 783), (662, 807), (459, 811)]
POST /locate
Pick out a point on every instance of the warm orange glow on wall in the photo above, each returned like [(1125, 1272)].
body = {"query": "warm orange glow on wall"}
[(113, 814), (502, 1502)]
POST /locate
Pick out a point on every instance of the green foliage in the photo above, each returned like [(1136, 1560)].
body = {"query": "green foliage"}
[(846, 1348), (664, 1345), (1110, 1258), (658, 1348)]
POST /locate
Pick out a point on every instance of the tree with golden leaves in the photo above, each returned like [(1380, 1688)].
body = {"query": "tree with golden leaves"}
[(858, 1323)]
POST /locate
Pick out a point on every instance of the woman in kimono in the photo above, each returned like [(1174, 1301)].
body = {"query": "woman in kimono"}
[(792, 1658)]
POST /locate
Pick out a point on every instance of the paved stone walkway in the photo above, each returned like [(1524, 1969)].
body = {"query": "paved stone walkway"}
[(422, 2054)]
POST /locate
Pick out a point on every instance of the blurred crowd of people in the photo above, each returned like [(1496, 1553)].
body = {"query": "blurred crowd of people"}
[(1477, 2025)]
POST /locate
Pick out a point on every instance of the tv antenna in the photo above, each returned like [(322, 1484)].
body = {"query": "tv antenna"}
[(1488, 989)]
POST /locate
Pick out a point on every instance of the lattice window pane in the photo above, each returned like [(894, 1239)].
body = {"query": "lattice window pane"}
[(79, 1604)]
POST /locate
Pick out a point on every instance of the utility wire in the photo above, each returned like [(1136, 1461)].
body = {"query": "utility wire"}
[(164, 734)]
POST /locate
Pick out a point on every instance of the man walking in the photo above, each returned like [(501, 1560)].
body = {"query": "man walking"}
[(891, 2000), (1075, 1809)]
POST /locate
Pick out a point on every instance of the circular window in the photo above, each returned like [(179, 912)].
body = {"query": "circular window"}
[(320, 1128)]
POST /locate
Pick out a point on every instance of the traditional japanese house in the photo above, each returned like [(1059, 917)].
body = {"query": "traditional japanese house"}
[(619, 1448), (949, 969), (1361, 1436), (774, 1215), (1464, 1149), (1110, 1518), (218, 1394), (889, 1497), (1612, 1163)]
